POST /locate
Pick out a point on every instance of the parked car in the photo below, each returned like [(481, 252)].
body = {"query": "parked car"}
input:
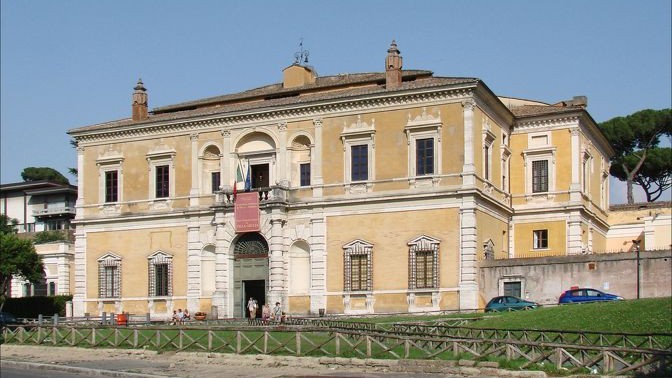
[(586, 295), (7, 318), (509, 303)]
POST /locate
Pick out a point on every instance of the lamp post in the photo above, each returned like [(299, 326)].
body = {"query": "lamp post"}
[(635, 244)]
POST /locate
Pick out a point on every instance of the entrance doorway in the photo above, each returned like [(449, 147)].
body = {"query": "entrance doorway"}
[(250, 272), (257, 290)]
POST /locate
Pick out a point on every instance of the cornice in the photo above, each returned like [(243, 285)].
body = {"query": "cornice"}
[(548, 122), (277, 114)]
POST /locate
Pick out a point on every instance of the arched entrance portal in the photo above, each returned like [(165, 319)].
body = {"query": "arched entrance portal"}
[(250, 272)]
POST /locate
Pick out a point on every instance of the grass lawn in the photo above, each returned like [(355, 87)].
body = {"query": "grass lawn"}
[(652, 315)]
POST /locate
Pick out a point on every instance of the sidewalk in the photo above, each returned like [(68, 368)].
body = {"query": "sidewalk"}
[(150, 364)]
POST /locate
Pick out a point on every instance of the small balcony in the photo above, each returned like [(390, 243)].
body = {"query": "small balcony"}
[(54, 211), (267, 195)]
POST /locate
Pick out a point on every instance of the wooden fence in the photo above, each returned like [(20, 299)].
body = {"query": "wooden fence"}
[(318, 342), (659, 341)]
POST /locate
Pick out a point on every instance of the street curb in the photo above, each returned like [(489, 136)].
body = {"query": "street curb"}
[(74, 369)]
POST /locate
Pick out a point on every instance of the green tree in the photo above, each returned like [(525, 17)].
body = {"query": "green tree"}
[(43, 173), (17, 258), (73, 171), (638, 158)]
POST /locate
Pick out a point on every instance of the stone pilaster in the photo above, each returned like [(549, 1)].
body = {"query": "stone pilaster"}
[(574, 239), (193, 264), (222, 297), (79, 204), (468, 169), (575, 185), (276, 262), (316, 180), (468, 250), (78, 304), (225, 161), (64, 265), (195, 190), (318, 265), (283, 161)]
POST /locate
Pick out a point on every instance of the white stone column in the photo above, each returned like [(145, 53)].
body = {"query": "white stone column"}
[(78, 297), (195, 185), (574, 239), (276, 263), (318, 264), (575, 185), (468, 169), (316, 181), (193, 264), (221, 296), (468, 250)]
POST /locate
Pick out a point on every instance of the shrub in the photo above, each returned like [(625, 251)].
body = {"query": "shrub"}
[(31, 307), (48, 236)]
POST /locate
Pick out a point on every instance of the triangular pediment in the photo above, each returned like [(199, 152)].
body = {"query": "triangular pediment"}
[(424, 242), (358, 245), (160, 256), (109, 257)]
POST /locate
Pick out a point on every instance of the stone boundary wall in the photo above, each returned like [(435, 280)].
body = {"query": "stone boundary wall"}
[(543, 279)]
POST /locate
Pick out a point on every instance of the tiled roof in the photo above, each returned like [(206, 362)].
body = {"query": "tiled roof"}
[(325, 88), (277, 89), (537, 110)]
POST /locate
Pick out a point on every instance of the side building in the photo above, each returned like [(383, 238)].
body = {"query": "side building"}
[(39, 206), (377, 192)]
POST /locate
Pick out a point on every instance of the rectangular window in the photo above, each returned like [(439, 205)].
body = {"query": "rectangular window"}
[(358, 271), (215, 181), (540, 239), (162, 181), (161, 280), (424, 156), (540, 176), (424, 269), (110, 273), (360, 163), (111, 186), (305, 174)]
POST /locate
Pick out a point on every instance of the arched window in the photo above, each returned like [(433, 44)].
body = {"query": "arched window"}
[(251, 245), (300, 166), (211, 178)]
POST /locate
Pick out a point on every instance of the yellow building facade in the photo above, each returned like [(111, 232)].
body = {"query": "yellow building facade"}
[(378, 193)]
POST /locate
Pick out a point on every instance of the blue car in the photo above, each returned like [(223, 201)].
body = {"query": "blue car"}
[(586, 295)]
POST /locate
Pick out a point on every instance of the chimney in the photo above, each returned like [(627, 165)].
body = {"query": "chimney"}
[(393, 64), (297, 75), (140, 102)]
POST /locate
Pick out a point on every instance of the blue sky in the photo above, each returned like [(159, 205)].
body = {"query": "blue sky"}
[(66, 64)]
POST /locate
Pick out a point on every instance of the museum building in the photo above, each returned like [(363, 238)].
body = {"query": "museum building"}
[(354, 193)]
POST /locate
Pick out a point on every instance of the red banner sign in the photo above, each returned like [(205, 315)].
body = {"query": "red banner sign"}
[(246, 212)]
